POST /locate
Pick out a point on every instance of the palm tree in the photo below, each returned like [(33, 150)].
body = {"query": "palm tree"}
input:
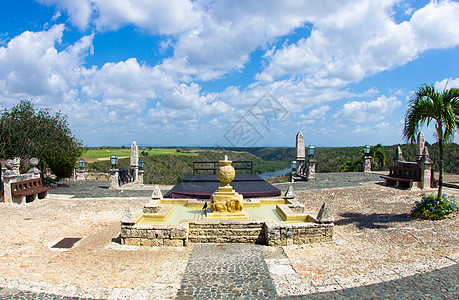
[(428, 105)]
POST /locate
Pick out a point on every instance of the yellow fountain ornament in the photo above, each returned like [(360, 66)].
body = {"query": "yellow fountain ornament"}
[(226, 203)]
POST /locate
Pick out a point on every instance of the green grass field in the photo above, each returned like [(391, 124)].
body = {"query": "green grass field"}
[(104, 154)]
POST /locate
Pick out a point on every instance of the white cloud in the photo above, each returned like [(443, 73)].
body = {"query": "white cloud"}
[(79, 11), (447, 83), (360, 112), (31, 66), (360, 39), (315, 114)]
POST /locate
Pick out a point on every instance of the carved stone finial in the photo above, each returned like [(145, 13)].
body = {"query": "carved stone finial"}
[(426, 156), (290, 193), (156, 195), (325, 214), (128, 217), (400, 154)]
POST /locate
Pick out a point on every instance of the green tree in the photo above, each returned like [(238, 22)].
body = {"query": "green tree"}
[(428, 105), (26, 132)]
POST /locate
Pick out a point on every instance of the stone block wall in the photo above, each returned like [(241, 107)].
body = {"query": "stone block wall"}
[(226, 231), (155, 235)]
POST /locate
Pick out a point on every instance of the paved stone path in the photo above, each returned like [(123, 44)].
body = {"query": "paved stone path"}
[(226, 271)]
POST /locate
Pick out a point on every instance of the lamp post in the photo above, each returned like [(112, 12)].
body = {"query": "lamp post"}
[(367, 159), (113, 160), (293, 167), (311, 175), (79, 174), (140, 172), (311, 151)]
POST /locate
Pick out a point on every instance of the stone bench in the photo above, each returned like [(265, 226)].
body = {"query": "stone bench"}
[(29, 190), (403, 177)]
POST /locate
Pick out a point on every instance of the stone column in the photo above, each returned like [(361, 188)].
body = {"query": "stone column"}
[(311, 169), (425, 164), (367, 164), (135, 160), (114, 183), (140, 178), (300, 154), (7, 180), (16, 165), (420, 146)]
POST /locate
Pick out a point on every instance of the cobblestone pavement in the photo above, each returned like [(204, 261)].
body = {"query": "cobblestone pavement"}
[(226, 271), (378, 250)]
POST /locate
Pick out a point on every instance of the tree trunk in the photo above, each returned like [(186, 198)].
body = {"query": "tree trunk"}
[(440, 179)]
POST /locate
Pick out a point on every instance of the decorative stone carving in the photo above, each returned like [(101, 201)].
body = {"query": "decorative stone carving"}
[(226, 203), (400, 154), (325, 214), (156, 195), (34, 163), (128, 217), (290, 193)]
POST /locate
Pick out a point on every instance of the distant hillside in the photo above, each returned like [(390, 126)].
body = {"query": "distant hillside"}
[(169, 169)]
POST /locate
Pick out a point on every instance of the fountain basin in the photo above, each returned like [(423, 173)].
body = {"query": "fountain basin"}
[(177, 222)]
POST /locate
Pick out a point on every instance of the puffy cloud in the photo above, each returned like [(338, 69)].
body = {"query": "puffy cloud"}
[(32, 67), (79, 11), (360, 39), (360, 112), (315, 114), (447, 83)]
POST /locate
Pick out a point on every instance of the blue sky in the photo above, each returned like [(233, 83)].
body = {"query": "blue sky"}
[(227, 73)]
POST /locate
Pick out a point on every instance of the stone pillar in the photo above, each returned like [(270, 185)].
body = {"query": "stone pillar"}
[(420, 146), (140, 178), (114, 176), (7, 180), (135, 159), (300, 154), (311, 169), (367, 164), (425, 164)]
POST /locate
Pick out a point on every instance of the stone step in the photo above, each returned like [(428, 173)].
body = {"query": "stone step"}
[(225, 225), (227, 232), (227, 239)]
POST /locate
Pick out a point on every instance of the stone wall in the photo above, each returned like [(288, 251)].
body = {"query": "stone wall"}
[(155, 235), (226, 231)]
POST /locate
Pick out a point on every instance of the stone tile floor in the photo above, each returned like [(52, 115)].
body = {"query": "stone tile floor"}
[(378, 251)]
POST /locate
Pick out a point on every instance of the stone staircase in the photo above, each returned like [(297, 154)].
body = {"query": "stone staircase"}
[(241, 231)]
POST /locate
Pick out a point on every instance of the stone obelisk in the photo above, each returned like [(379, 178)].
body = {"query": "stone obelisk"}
[(135, 159), (300, 154)]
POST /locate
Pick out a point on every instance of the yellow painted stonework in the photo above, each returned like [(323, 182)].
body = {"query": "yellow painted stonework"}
[(226, 203)]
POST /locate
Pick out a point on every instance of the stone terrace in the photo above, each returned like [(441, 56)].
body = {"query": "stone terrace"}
[(375, 241)]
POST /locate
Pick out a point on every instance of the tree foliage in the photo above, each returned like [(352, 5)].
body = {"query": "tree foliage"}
[(430, 106), (26, 132)]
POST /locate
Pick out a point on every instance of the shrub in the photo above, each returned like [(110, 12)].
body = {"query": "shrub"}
[(433, 208)]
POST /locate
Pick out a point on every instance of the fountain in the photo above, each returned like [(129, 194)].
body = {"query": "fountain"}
[(226, 203), (232, 219)]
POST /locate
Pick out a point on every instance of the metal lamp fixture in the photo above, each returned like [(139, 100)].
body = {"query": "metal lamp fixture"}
[(293, 165), (366, 149), (81, 163), (113, 160), (141, 163), (311, 150)]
